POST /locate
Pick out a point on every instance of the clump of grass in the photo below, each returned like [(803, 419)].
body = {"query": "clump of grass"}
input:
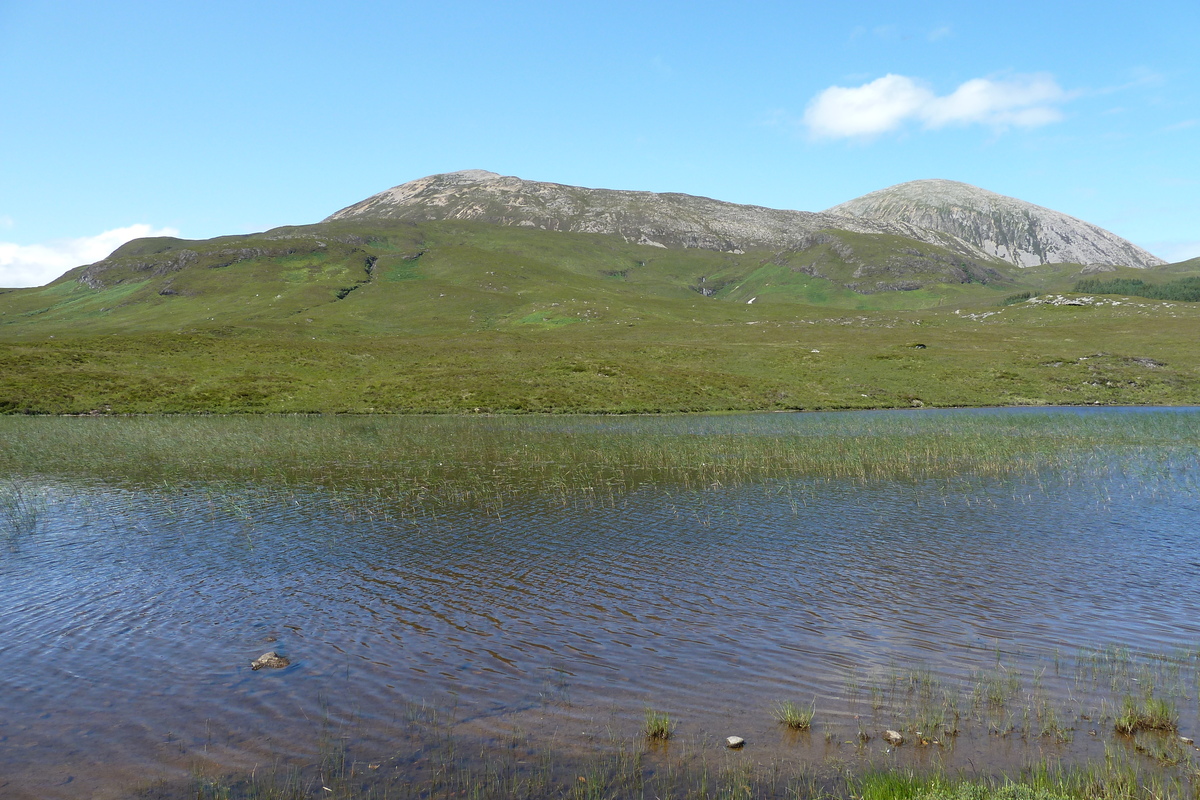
[(795, 717), (658, 725), (1150, 714)]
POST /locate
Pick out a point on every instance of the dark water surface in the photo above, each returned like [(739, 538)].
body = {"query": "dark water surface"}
[(129, 618)]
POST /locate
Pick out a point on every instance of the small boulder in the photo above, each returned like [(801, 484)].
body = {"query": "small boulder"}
[(271, 660), (734, 742), (893, 737)]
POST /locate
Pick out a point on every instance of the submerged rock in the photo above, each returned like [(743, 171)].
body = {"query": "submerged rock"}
[(271, 660), (734, 742), (893, 737)]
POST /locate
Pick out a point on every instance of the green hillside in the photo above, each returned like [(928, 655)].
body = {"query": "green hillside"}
[(459, 316)]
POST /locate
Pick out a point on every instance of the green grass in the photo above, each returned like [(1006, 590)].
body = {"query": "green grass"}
[(794, 717), (459, 317), (1037, 356), (658, 725), (1146, 714)]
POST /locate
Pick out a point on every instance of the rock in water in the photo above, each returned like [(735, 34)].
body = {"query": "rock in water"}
[(893, 737), (734, 742), (271, 660)]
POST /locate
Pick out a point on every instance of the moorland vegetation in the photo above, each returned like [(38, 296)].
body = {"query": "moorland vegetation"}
[(462, 317)]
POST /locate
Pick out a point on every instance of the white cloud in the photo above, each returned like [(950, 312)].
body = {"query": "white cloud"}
[(875, 107), (887, 103), (1025, 101), (940, 33), (38, 264)]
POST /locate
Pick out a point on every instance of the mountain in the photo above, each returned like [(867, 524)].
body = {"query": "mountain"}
[(471, 292), (659, 219), (926, 240), (996, 226)]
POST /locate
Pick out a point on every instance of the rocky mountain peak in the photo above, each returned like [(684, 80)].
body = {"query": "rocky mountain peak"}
[(1003, 227)]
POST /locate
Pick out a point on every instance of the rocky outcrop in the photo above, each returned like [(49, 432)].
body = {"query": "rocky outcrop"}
[(997, 226), (101, 274)]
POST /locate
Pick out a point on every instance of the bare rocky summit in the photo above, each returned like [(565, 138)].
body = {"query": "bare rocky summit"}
[(650, 218), (997, 226)]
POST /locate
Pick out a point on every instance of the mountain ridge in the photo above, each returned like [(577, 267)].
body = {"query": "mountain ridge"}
[(960, 217), (661, 219)]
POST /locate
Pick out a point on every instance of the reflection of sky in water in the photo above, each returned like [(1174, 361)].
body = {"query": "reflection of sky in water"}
[(140, 614)]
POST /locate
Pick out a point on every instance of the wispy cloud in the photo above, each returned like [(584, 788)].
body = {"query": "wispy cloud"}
[(1139, 78), (38, 264), (887, 103), (937, 34)]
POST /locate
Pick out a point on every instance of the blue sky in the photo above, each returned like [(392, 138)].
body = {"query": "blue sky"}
[(125, 118)]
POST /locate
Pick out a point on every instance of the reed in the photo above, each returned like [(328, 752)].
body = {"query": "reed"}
[(417, 465), (21, 505), (658, 725), (1147, 713), (795, 717)]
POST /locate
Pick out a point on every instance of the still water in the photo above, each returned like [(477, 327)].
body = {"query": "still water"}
[(131, 614)]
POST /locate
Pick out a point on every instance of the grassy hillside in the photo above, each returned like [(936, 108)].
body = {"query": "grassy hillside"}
[(464, 316)]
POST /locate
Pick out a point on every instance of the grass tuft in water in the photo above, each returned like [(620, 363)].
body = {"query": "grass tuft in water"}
[(1148, 714), (658, 725), (795, 717), (20, 506)]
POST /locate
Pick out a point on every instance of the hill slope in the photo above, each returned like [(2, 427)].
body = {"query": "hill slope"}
[(996, 226)]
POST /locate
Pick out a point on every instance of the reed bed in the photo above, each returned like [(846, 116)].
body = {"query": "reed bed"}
[(418, 464)]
